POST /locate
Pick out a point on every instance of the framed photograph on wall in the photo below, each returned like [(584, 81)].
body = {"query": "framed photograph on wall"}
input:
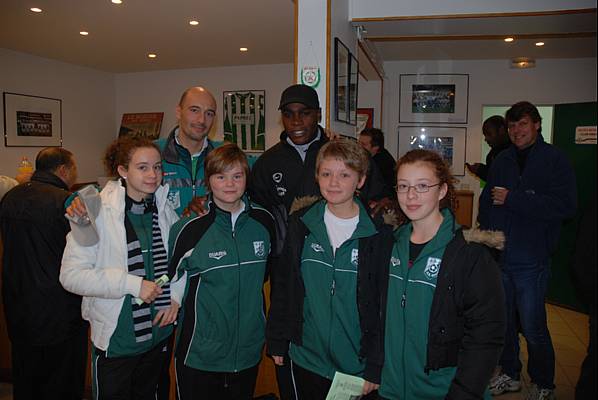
[(353, 89), (449, 142), (433, 98), (365, 119), (245, 119), (141, 124), (32, 121), (341, 80)]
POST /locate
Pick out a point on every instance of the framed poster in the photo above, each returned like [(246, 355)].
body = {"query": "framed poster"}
[(353, 86), (341, 80), (365, 119), (449, 142), (32, 121), (435, 98), (141, 124), (245, 119)]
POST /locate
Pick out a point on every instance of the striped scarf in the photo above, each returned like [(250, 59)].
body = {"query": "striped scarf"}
[(142, 319)]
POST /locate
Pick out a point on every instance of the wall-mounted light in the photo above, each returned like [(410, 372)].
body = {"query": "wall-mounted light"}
[(523, 63)]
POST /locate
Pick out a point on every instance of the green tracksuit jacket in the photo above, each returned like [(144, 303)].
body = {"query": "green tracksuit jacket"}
[(222, 322), (331, 329)]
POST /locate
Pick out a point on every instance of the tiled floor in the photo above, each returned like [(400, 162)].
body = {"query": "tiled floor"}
[(569, 331), (570, 336)]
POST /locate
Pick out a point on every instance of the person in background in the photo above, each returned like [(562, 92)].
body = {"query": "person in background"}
[(445, 313), (585, 273), (131, 316), (48, 335), (495, 134), (326, 289), (530, 190), (221, 260), (6, 183), (372, 139)]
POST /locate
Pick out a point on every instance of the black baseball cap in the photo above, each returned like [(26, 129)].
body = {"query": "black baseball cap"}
[(303, 94)]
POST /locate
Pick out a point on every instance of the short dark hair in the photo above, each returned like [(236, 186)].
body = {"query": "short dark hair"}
[(522, 109), (50, 158), (376, 135), (495, 122)]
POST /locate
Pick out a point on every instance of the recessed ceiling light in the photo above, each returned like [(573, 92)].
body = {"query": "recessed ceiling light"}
[(36, 10), (243, 49), (152, 55), (83, 33), (509, 39), (117, 1), (193, 22), (539, 44)]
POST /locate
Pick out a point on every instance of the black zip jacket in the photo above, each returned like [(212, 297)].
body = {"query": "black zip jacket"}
[(468, 317), (285, 318), (39, 311)]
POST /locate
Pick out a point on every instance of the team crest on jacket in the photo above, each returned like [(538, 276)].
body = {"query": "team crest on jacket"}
[(259, 248), (354, 257), (277, 177), (432, 267), (317, 248), (395, 261)]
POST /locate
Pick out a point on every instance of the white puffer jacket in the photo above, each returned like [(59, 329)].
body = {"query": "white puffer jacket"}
[(99, 273)]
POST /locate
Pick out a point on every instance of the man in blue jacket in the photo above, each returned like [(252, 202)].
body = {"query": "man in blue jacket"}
[(530, 191)]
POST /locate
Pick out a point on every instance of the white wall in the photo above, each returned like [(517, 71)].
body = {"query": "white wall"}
[(369, 93), (87, 107), (388, 8), (552, 81), (160, 92)]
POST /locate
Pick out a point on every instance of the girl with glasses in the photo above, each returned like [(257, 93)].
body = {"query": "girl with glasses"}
[(445, 315)]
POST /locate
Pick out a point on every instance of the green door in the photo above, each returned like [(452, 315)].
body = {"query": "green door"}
[(567, 117)]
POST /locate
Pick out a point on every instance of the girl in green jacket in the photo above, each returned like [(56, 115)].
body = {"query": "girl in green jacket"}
[(445, 305)]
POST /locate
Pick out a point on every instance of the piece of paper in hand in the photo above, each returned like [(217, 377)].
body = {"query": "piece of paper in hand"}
[(345, 387), (161, 281)]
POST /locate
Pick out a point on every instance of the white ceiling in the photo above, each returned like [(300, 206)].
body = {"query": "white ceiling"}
[(121, 36)]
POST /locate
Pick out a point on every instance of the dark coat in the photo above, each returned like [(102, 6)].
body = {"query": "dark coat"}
[(38, 309)]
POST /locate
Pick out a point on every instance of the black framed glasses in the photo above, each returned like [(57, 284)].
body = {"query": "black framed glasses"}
[(419, 188)]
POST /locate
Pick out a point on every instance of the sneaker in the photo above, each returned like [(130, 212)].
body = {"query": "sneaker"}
[(535, 393), (503, 383)]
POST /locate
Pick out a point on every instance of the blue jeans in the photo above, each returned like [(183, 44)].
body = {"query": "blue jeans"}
[(525, 289)]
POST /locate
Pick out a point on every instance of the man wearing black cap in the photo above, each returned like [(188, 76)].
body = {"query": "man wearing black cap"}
[(286, 171)]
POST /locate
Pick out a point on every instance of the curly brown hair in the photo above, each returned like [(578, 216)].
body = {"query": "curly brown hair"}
[(441, 170), (120, 151)]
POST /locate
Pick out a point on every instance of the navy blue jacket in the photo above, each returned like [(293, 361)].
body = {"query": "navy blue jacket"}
[(540, 198)]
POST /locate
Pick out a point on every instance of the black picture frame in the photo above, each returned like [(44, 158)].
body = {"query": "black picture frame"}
[(353, 90), (341, 80), (32, 121)]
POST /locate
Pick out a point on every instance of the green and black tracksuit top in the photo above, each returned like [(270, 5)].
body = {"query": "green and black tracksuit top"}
[(222, 321), (328, 305), (444, 318), (123, 340)]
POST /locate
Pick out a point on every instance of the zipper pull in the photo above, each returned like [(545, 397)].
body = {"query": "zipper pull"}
[(193, 189), (403, 300), (332, 288)]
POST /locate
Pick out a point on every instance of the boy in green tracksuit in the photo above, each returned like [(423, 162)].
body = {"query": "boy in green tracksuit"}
[(221, 261), (325, 290)]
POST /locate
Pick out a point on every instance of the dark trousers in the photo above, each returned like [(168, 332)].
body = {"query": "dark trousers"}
[(284, 378), (50, 372), (164, 381), (194, 384), (311, 386), (586, 385), (128, 378)]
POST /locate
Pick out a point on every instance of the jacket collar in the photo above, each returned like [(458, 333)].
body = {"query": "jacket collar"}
[(323, 138), (49, 178), (172, 151)]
